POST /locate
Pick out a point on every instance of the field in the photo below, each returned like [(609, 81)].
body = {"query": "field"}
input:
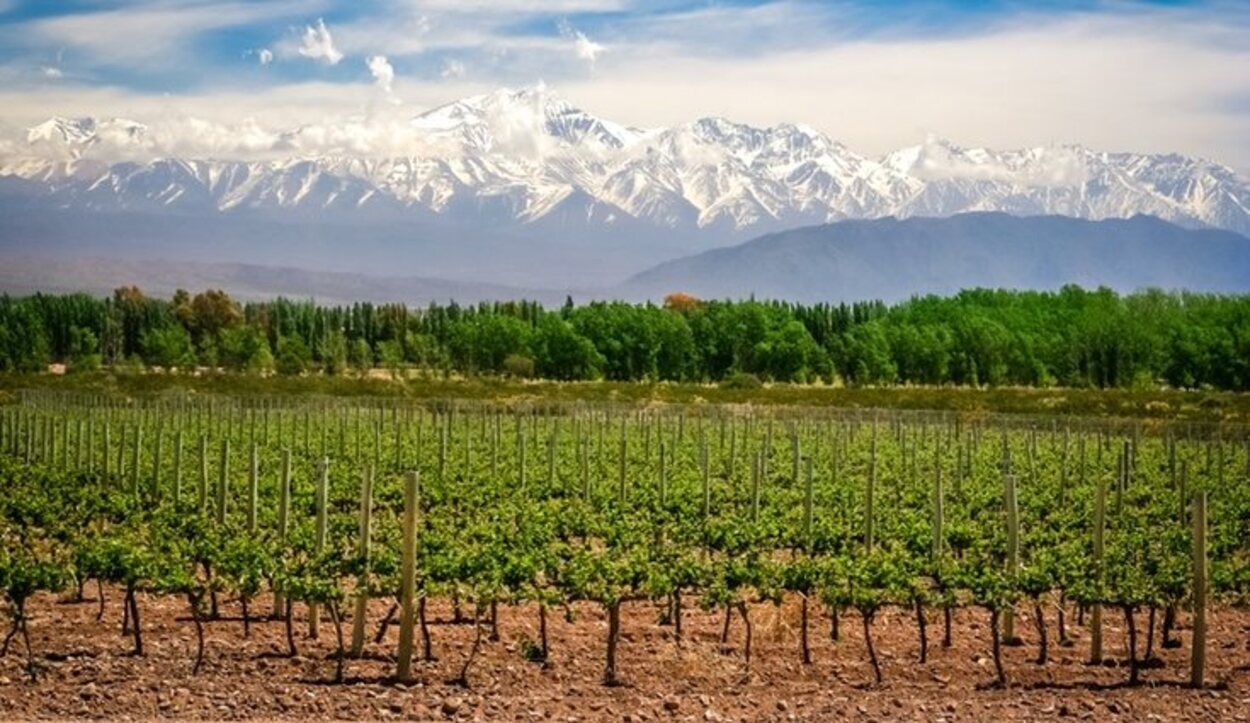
[(543, 558), (1152, 403)]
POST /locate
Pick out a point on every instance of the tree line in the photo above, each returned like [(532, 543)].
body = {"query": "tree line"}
[(1070, 337)]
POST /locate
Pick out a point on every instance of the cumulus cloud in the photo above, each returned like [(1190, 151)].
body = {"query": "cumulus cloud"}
[(188, 137), (585, 48), (1044, 167), (52, 72), (382, 71), (264, 56), (317, 43)]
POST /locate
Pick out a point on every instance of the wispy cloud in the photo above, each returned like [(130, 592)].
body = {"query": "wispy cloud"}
[(584, 47), (453, 69), (317, 43)]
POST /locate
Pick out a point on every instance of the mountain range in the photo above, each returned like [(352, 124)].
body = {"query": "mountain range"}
[(521, 187)]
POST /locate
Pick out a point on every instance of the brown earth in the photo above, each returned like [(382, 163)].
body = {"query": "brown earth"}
[(87, 671)]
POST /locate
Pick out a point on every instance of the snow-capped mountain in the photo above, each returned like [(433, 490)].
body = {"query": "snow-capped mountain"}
[(529, 159), (74, 136)]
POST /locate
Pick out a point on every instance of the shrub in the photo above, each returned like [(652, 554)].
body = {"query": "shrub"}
[(518, 366), (244, 348), (168, 346), (741, 380), (293, 356)]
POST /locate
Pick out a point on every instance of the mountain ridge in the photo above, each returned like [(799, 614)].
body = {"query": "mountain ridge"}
[(28, 274), (892, 259), (886, 259)]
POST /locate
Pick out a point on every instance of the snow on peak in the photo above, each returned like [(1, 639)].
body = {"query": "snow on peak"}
[(82, 131), (528, 153), (64, 130), (526, 122), (71, 137)]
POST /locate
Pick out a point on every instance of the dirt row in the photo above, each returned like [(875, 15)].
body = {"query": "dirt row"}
[(86, 670)]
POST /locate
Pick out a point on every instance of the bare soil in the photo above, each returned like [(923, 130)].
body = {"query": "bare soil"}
[(87, 671)]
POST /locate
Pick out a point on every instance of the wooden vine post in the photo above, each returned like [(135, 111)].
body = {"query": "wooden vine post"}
[(1198, 653), (1013, 552), (362, 585), (620, 473), (520, 442), (177, 468), (938, 501), (319, 539), (870, 492), (756, 463), (108, 443), (795, 455), (807, 505), (1100, 520), (154, 488), (407, 577), (201, 499), (253, 488), (663, 476), (707, 479), (284, 512), (136, 451), (223, 481)]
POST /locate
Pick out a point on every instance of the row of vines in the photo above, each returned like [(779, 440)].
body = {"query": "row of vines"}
[(303, 511)]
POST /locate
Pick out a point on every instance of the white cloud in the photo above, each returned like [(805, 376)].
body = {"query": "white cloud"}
[(382, 71), (293, 120), (52, 72), (264, 56), (317, 43), (452, 69), (1056, 166), (1157, 81), (586, 49)]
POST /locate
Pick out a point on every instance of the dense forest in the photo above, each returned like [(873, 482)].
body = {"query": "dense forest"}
[(1072, 337)]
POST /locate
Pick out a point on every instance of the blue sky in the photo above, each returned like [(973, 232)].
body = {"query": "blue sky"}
[(207, 43), (1150, 76)]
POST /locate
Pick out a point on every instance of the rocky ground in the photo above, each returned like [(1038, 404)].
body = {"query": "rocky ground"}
[(87, 671)]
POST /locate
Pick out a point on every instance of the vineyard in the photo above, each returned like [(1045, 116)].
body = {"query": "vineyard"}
[(351, 521)]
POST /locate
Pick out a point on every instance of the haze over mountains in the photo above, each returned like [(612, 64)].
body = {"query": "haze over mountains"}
[(22, 275), (892, 259), (888, 259), (522, 188)]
